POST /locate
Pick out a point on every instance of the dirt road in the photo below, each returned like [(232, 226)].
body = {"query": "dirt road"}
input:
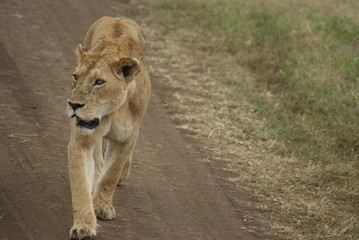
[(171, 193)]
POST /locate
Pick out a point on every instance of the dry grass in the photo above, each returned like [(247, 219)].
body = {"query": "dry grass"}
[(297, 198)]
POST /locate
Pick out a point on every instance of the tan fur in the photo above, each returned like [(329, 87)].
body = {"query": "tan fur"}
[(113, 51)]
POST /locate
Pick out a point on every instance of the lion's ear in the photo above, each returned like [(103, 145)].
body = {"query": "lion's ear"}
[(128, 68), (80, 50)]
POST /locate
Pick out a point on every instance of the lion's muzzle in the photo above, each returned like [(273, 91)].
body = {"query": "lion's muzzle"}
[(75, 106)]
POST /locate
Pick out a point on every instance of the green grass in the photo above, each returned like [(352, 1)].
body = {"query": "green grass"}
[(307, 59)]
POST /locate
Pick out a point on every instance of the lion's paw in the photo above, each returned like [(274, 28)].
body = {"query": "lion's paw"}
[(106, 212), (82, 232)]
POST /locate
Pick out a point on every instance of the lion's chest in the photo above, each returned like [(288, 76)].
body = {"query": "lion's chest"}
[(120, 131)]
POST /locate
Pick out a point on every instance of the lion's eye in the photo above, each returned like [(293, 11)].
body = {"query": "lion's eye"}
[(99, 82), (76, 77)]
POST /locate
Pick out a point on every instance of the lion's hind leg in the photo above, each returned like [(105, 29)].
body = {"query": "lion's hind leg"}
[(126, 171), (117, 154)]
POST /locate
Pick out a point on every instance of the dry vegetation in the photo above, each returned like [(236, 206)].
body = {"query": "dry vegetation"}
[(271, 88)]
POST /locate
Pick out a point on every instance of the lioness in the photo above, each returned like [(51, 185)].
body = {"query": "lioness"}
[(110, 94)]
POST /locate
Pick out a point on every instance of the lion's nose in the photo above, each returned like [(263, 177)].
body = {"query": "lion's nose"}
[(76, 105)]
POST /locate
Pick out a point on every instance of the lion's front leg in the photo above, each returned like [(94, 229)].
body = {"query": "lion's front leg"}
[(84, 226), (117, 155), (98, 159)]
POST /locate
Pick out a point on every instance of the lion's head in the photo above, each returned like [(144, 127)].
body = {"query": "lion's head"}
[(100, 85)]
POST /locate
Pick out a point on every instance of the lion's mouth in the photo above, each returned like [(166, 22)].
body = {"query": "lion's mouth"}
[(87, 124)]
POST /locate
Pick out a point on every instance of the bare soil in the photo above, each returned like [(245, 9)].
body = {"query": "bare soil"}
[(171, 193)]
